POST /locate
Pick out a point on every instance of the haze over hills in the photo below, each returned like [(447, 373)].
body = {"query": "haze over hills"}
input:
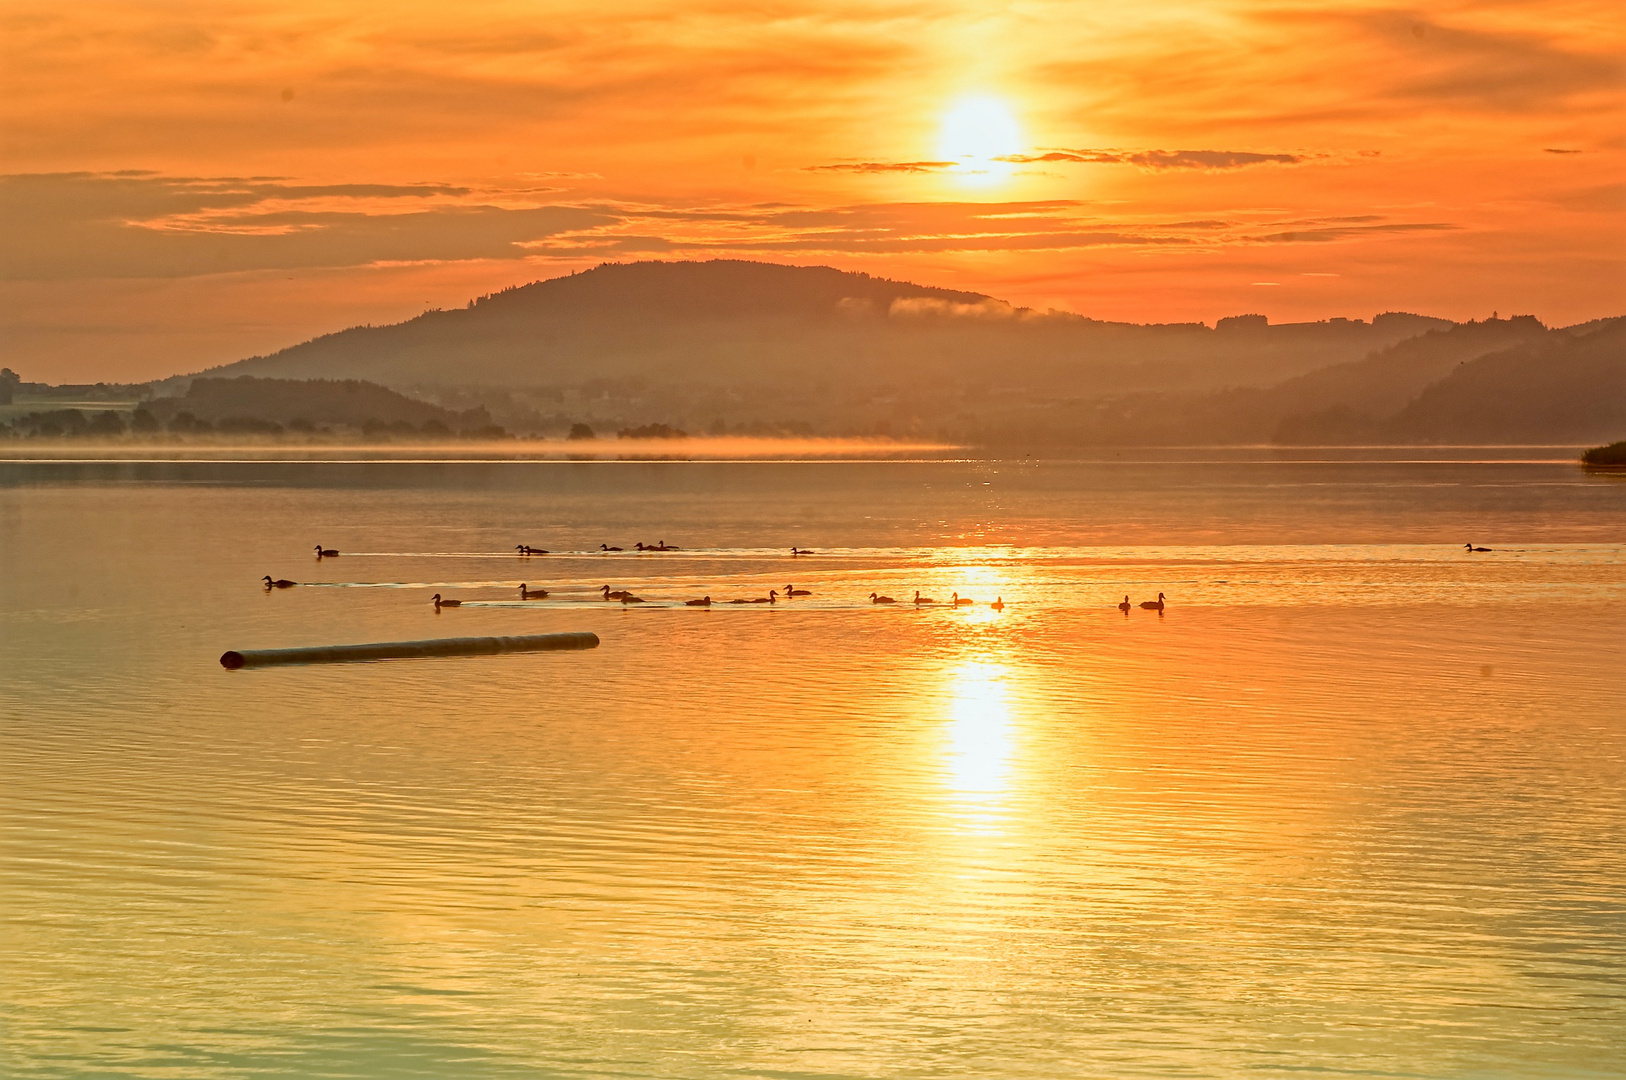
[(742, 346)]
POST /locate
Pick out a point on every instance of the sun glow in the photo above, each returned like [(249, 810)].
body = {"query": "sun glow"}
[(978, 746), (977, 132)]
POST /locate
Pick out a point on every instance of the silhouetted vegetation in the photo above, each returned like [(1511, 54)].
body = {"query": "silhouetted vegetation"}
[(1612, 456), (652, 431)]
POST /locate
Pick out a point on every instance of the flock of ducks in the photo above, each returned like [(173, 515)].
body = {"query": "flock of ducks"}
[(627, 598)]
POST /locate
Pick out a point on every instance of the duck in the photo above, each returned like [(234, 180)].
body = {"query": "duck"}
[(922, 599), (526, 593), (772, 597), (1126, 605), (439, 603), (1470, 547), (876, 599), (802, 551), (526, 549), (791, 590), (616, 595), (279, 583), (325, 553), (664, 546), (998, 604), (1153, 605), (961, 601), (704, 601), (607, 547)]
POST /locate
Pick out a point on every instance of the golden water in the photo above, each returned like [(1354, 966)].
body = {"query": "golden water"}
[(1353, 804)]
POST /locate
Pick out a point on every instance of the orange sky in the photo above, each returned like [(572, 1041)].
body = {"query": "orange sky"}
[(190, 183)]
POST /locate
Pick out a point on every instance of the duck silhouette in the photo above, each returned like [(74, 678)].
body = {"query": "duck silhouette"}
[(875, 599), (439, 603), (1153, 605), (325, 553), (527, 593), (279, 583)]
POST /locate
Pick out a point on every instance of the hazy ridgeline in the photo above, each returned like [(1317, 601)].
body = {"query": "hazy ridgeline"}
[(739, 348)]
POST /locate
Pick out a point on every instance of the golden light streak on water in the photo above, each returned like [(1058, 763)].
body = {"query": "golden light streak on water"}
[(979, 744)]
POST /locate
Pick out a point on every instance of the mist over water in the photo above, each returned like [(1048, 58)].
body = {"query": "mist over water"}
[(1351, 804)]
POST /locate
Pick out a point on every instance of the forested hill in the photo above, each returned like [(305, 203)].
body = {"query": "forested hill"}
[(766, 331)]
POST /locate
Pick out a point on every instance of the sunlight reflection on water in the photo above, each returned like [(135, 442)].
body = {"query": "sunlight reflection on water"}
[(979, 743), (1350, 806)]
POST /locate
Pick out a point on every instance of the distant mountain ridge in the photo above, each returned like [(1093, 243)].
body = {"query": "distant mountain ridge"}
[(732, 346), (769, 327)]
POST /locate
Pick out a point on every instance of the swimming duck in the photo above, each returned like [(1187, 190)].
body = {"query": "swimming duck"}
[(531, 594), (526, 549), (616, 595), (802, 551), (1125, 606), (961, 601), (704, 601), (791, 590), (1153, 605), (1470, 547), (998, 604), (875, 599), (607, 547), (664, 546), (280, 583), (324, 553), (439, 603), (922, 599)]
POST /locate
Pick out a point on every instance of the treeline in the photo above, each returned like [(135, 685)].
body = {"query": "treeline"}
[(142, 423)]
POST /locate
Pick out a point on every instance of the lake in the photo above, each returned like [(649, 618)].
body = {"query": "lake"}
[(1352, 804)]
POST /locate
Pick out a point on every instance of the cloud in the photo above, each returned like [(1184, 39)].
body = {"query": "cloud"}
[(1486, 70), (885, 167), (134, 224), (90, 225), (1325, 235), (1146, 159), (927, 306)]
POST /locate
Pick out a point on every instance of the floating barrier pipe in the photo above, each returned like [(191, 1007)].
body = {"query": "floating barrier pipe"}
[(395, 650)]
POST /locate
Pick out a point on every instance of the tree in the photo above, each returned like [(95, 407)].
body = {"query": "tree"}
[(9, 382)]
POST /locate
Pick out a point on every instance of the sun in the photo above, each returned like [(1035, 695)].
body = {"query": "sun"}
[(977, 132)]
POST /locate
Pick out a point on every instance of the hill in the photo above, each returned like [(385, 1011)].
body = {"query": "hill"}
[(348, 403), (1560, 388), (696, 342)]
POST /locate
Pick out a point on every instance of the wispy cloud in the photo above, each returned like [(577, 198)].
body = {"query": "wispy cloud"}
[(88, 225), (885, 167), (1146, 159), (1160, 159)]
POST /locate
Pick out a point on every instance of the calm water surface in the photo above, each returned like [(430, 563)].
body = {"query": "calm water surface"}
[(1352, 805)]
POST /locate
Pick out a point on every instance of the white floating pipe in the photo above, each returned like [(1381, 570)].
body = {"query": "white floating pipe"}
[(396, 650)]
